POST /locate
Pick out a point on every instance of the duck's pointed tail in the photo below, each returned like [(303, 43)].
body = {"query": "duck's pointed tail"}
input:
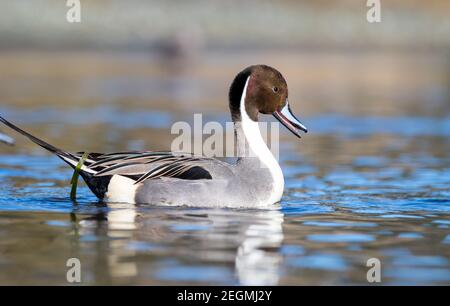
[(69, 158)]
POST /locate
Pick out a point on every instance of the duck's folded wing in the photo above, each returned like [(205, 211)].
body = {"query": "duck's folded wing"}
[(142, 166)]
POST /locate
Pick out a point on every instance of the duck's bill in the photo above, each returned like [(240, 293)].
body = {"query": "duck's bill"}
[(287, 118)]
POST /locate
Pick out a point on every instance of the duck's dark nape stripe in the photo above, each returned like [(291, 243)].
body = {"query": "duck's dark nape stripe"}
[(235, 93)]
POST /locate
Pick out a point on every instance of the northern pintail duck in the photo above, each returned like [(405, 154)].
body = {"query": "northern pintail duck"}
[(171, 178)]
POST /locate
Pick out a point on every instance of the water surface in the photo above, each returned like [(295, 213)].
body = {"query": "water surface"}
[(369, 188), (370, 180)]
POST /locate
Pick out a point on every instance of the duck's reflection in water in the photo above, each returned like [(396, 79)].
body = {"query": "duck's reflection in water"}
[(149, 245), (258, 258), (110, 230)]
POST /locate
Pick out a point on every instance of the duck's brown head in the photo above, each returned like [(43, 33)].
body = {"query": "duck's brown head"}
[(262, 89)]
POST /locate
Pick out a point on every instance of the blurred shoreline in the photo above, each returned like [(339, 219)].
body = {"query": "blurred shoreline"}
[(232, 24), (180, 56), (373, 83)]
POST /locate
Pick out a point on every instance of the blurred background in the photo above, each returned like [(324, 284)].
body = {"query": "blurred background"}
[(164, 60), (182, 55), (372, 178)]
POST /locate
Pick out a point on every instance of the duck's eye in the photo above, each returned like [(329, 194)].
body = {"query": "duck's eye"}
[(275, 89)]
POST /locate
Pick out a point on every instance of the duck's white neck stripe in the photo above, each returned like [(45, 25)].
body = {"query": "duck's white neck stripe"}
[(259, 149)]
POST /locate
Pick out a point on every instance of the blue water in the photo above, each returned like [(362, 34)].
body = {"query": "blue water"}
[(356, 188)]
